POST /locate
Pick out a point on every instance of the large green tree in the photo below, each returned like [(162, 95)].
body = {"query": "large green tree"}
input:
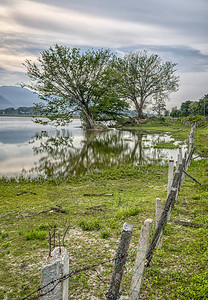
[(146, 77), (69, 81)]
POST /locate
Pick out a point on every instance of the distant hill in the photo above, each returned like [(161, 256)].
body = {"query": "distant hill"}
[(18, 96), (4, 103)]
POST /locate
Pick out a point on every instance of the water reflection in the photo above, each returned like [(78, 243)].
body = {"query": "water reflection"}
[(61, 155)]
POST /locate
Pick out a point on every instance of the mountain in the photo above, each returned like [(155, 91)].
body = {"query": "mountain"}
[(18, 96), (4, 103)]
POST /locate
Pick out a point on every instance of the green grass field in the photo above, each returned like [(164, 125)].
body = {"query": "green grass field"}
[(178, 271)]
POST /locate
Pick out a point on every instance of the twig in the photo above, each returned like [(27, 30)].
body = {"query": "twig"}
[(49, 244), (65, 234), (21, 193), (56, 209), (191, 224), (98, 207)]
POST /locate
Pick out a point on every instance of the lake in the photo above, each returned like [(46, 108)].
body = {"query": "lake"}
[(31, 149)]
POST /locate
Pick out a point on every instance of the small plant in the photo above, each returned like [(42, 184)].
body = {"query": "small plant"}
[(35, 235), (43, 227), (89, 225), (6, 245), (4, 235), (127, 212), (196, 197), (105, 234)]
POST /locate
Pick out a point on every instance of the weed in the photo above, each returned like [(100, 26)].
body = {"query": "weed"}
[(196, 197), (43, 226), (4, 235), (105, 234), (127, 212), (35, 235), (90, 225), (5, 245)]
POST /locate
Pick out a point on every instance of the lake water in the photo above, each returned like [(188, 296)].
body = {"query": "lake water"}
[(31, 149)]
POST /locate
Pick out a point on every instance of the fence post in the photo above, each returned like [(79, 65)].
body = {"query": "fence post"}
[(191, 137), (159, 209), (180, 169), (161, 224), (170, 180), (183, 174), (140, 260), (57, 267), (170, 174), (120, 260)]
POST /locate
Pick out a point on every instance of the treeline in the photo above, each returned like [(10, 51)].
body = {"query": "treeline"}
[(191, 108), (17, 111)]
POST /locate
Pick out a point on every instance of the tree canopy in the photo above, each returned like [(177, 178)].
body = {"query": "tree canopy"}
[(192, 108), (69, 81), (146, 78), (97, 84)]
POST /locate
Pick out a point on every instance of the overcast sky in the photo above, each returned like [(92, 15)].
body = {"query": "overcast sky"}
[(176, 30)]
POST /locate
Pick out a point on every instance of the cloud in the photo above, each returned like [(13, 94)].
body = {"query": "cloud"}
[(109, 28), (176, 30), (193, 86), (12, 78), (187, 58)]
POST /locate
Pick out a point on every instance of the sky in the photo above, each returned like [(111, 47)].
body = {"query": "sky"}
[(175, 30)]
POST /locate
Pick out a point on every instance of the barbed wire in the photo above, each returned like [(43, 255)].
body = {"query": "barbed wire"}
[(55, 282), (145, 260)]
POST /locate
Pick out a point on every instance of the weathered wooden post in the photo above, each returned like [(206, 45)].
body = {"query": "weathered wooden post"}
[(57, 267), (120, 260), (191, 137), (140, 260), (180, 169), (159, 209), (179, 159), (170, 179), (185, 160), (161, 224), (170, 174), (179, 156)]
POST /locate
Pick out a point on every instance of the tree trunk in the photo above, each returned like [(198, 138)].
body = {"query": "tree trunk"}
[(88, 118), (139, 108), (90, 123)]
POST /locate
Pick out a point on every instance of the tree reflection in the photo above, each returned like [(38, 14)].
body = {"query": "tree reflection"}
[(97, 150)]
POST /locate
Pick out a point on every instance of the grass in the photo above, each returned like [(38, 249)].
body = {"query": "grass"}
[(35, 235), (178, 270), (178, 131), (166, 145)]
